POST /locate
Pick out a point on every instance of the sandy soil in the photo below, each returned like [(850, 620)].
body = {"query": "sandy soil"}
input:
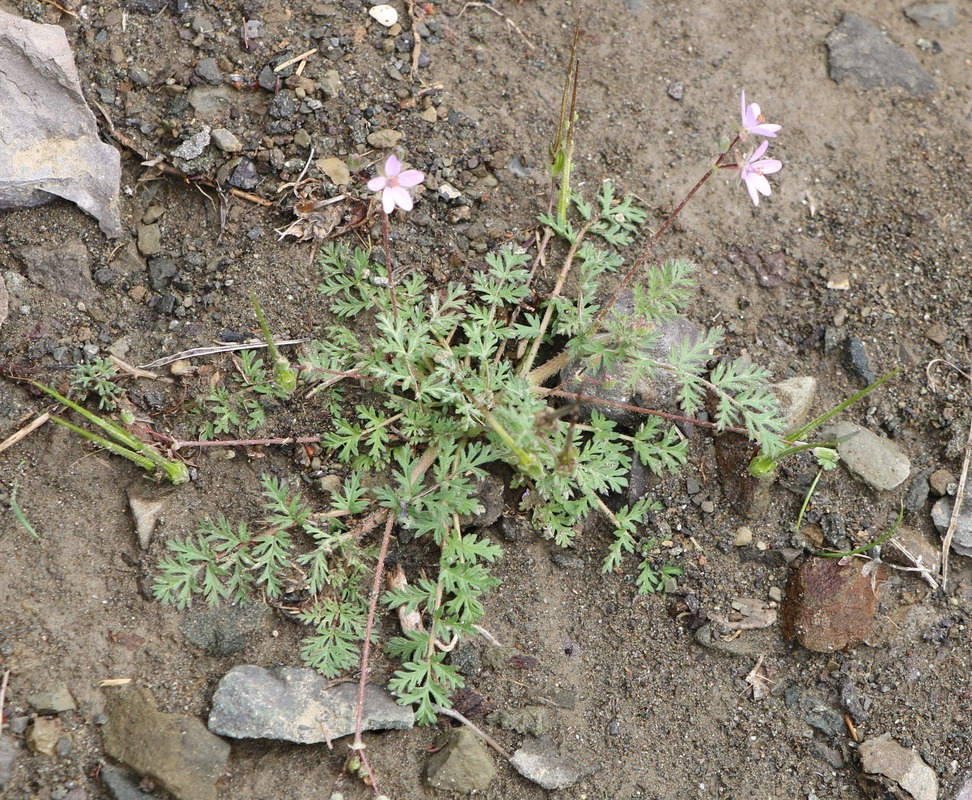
[(875, 188)]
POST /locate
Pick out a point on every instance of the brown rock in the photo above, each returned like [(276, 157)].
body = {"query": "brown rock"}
[(829, 604)]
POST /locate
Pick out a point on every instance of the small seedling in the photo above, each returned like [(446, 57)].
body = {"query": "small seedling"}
[(284, 376), (97, 378)]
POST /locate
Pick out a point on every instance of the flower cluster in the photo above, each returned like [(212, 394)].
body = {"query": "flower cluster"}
[(753, 168)]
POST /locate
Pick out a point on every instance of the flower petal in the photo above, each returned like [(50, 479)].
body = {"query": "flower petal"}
[(411, 177), (399, 197), (768, 166), (377, 184), (392, 166), (765, 129), (388, 200)]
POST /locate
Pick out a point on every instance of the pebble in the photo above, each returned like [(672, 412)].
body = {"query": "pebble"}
[(887, 765), (42, 735), (857, 361), (384, 139), (461, 765), (813, 711), (676, 91), (193, 147), (743, 537), (942, 515), (859, 53), (302, 138), (149, 239), (161, 271), (8, 756), (384, 15), (208, 70), (226, 141), (539, 761), (256, 703), (830, 606), (53, 700), (245, 175), (282, 106), (146, 512), (942, 482), (873, 459)]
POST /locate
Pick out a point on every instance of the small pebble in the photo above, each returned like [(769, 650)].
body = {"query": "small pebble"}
[(744, 536)]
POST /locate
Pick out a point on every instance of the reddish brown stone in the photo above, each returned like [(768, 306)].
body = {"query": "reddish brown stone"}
[(829, 604)]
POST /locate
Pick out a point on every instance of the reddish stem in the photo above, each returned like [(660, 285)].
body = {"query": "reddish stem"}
[(639, 262)]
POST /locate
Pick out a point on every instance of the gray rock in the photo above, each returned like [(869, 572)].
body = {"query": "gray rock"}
[(63, 267), (224, 631), (50, 146), (297, 705), (174, 750), (884, 757), (538, 760), (53, 700), (161, 271), (917, 545), (932, 15), (490, 497), (857, 360), (150, 239), (210, 101), (529, 720), (796, 399), (384, 139), (942, 515), (330, 83), (878, 462), (813, 711), (282, 106), (245, 175), (208, 70), (193, 147), (146, 511), (120, 787), (463, 765), (8, 755), (226, 141), (862, 55), (853, 702)]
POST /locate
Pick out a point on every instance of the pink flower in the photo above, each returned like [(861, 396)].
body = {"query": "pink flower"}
[(394, 185), (752, 122), (753, 172)]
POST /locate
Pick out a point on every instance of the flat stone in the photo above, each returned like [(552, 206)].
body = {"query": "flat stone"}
[(932, 15), (174, 750), (64, 268), (50, 145), (813, 711), (539, 761), (860, 54), (384, 139), (796, 397), (915, 543), (208, 70), (462, 765), (53, 700), (829, 605), (942, 516), (335, 169), (882, 757), (8, 755), (192, 148), (940, 481), (878, 462), (210, 101), (297, 705), (42, 735)]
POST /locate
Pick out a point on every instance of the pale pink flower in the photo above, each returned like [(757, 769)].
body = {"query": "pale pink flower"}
[(753, 172), (753, 123), (394, 185)]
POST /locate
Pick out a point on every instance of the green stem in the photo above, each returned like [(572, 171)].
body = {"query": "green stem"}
[(283, 374), (864, 548), (145, 463)]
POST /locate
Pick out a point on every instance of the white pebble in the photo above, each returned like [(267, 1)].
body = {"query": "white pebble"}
[(384, 15)]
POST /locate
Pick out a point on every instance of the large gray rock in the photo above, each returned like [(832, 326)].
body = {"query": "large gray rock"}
[(883, 760), (538, 760), (49, 144), (878, 462), (862, 55), (297, 705), (174, 750)]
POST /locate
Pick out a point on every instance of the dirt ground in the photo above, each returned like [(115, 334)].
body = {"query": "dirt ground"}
[(875, 188)]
